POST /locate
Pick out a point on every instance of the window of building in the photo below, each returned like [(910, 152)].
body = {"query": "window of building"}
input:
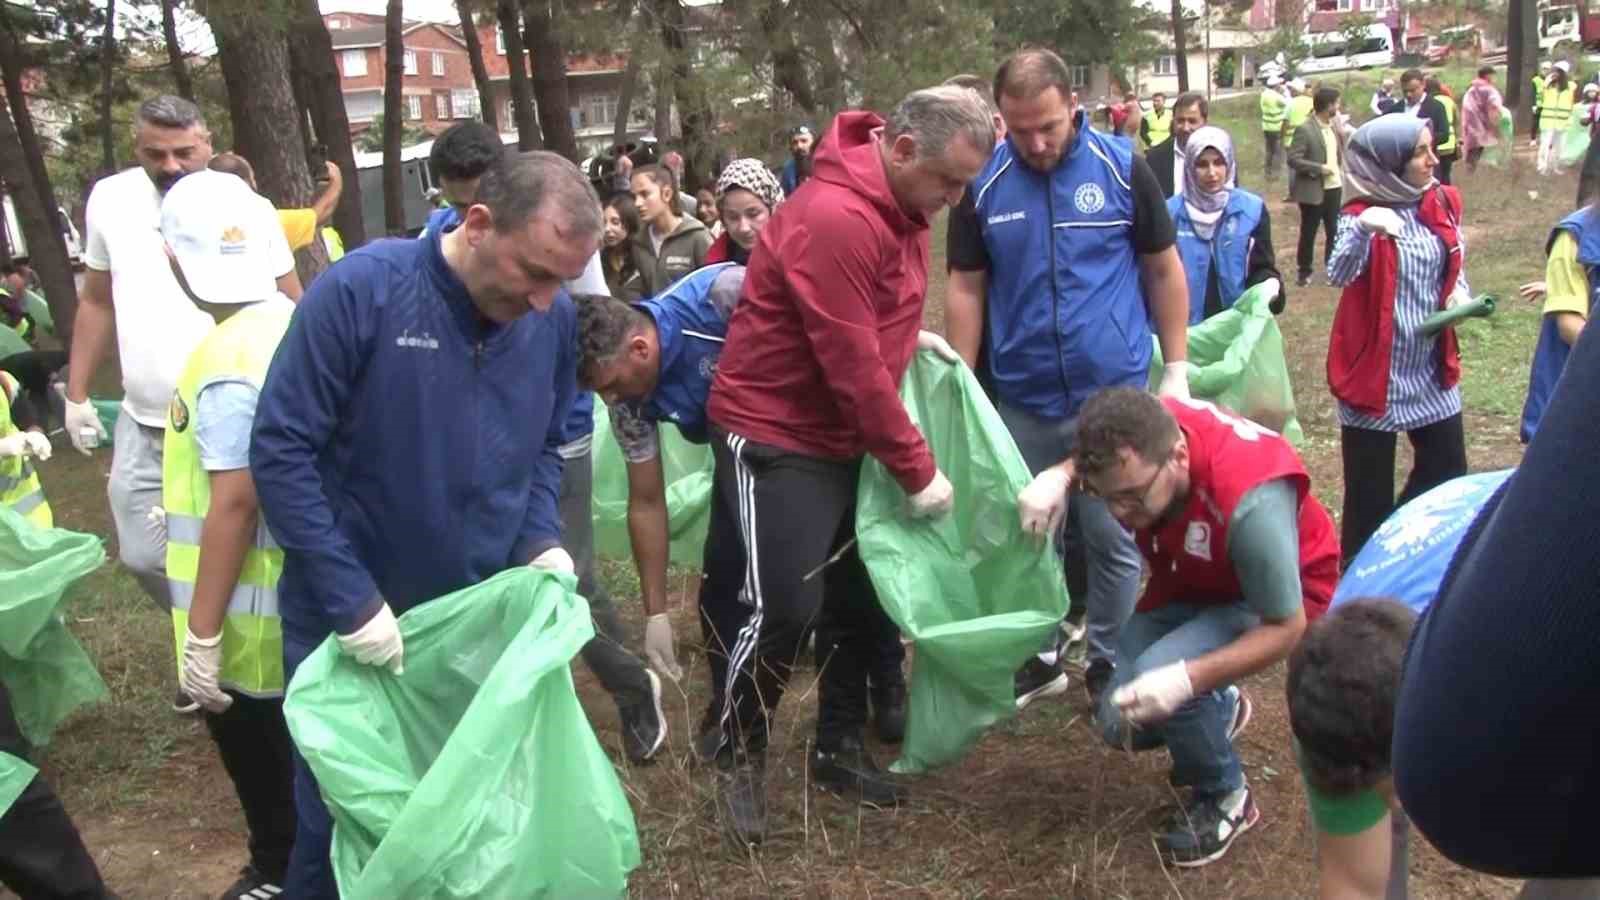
[(413, 107), (463, 103), (499, 41), (598, 110), (355, 63), (1080, 76), (438, 63), (1167, 65), (411, 62), (441, 106)]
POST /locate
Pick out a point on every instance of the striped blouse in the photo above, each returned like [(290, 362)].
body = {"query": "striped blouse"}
[(1415, 398)]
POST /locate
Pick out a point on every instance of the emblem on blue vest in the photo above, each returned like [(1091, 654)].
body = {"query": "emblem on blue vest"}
[(1088, 198)]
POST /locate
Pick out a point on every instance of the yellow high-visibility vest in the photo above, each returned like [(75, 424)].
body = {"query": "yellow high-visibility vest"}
[(1299, 112), (1273, 109), (19, 482), (1555, 107), (239, 349), (1448, 144), (1160, 125)]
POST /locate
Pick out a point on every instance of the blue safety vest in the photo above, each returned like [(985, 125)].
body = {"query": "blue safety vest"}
[(690, 329), (1066, 313), (1228, 249), (1550, 354)]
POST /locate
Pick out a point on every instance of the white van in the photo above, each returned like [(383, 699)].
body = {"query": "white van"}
[(1326, 51), (17, 242)]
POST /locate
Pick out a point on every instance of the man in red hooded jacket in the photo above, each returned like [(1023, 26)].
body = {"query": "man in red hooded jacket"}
[(807, 386), (1241, 555)]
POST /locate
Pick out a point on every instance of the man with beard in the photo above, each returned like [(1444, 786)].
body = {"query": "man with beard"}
[(1241, 557), (1190, 112), (798, 168), (128, 287)]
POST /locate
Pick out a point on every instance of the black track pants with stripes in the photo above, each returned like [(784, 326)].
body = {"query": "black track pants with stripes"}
[(791, 514)]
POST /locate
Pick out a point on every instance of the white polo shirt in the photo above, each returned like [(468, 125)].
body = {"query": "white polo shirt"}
[(158, 327)]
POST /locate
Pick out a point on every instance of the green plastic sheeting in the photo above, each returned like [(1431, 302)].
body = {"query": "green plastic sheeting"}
[(11, 343), (39, 310), (475, 773), (1236, 361), (1478, 308), (687, 468), (43, 666), (1573, 143), (971, 590), (15, 774), (108, 410), (1497, 155)]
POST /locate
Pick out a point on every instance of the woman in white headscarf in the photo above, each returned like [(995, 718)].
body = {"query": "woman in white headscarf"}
[(1224, 232)]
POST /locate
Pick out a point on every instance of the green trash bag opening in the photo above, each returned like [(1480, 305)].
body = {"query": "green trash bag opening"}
[(474, 773), (42, 665), (974, 593), (1236, 361), (686, 468)]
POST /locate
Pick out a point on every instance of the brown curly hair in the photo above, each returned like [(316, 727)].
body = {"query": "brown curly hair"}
[(1117, 418)]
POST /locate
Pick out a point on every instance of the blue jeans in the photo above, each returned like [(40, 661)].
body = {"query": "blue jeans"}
[(310, 874), (1111, 554), (1197, 734)]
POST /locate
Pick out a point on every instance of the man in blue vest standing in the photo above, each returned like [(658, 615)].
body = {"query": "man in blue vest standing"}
[(1064, 246)]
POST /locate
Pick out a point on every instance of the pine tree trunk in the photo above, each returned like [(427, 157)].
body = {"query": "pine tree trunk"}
[(394, 71), (11, 65), (1180, 50), (311, 52), (253, 49), (550, 77), (694, 114), (41, 227), (108, 55), (510, 17), (625, 94), (175, 61), (480, 72), (663, 106)]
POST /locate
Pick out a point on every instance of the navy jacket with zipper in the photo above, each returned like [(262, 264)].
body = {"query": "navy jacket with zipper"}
[(404, 446)]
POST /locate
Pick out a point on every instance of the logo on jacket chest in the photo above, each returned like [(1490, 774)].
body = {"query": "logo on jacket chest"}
[(1089, 198), (1197, 540), (422, 341), (708, 366), (1002, 218)]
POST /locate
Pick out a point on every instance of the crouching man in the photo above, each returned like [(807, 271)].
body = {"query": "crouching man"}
[(1241, 557)]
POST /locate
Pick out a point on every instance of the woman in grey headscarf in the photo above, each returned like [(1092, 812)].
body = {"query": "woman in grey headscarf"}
[(1224, 233), (1398, 255)]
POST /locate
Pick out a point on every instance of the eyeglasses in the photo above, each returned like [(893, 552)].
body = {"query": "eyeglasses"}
[(1134, 497)]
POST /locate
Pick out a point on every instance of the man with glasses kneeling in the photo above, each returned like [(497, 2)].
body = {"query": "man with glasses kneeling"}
[(1241, 556)]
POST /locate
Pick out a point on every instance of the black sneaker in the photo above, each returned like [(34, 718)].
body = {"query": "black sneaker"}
[(252, 885), (708, 737), (1302, 280), (644, 727), (1096, 678), (183, 704), (889, 712), (1038, 678), (742, 798), (1203, 833), (849, 771)]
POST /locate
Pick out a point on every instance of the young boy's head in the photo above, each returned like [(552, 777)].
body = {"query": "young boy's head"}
[(1344, 679)]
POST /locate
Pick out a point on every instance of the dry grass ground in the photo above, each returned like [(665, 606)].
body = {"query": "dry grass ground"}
[(1039, 809)]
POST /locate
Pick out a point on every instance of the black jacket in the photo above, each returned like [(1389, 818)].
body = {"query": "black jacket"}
[(1160, 158)]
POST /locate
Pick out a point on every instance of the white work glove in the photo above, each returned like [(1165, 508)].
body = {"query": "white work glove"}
[(38, 444), (928, 340), (1044, 501), (1175, 380), (202, 663), (658, 646), (1458, 297), (13, 445), (78, 417), (1272, 287), (156, 520), (935, 499), (1380, 220), (377, 643), (1155, 695), (554, 560)]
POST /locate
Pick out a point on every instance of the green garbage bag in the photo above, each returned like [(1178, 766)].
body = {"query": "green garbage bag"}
[(108, 410), (43, 666), (475, 773), (15, 774), (975, 595), (11, 343), (40, 311), (687, 468), (1236, 361), (1574, 143), (1498, 154)]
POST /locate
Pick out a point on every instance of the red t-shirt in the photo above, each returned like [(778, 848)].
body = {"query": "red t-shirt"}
[(1228, 456)]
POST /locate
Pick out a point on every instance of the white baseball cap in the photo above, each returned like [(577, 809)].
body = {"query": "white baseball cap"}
[(1564, 66), (1298, 84), (219, 231), (1274, 81)]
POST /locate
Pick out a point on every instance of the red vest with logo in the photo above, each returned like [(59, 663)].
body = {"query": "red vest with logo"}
[(1228, 456)]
